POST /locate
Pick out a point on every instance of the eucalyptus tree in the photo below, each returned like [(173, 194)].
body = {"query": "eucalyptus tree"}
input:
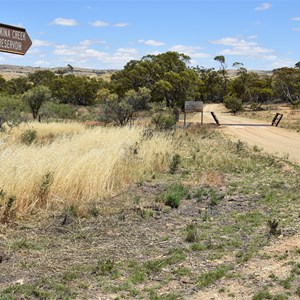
[(35, 97), (223, 71), (166, 75), (238, 85), (42, 77), (286, 84), (121, 109), (17, 86), (258, 90), (77, 90), (210, 84)]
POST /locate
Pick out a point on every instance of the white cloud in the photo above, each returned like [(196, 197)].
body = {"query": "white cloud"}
[(263, 6), (296, 29), (251, 37), (241, 47), (283, 62), (234, 42), (105, 24), (65, 22), (192, 51), (84, 54), (121, 24), (151, 42), (295, 19), (87, 43), (41, 43), (99, 24)]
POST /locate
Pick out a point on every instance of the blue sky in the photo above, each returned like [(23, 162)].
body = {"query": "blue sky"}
[(106, 34)]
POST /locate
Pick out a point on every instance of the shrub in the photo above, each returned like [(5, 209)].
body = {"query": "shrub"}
[(44, 185), (59, 111), (28, 136), (191, 233), (9, 117), (163, 121), (174, 163), (10, 112), (105, 267), (233, 104), (273, 227), (174, 194), (35, 97)]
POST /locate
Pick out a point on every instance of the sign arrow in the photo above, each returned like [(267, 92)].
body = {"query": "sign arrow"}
[(14, 39)]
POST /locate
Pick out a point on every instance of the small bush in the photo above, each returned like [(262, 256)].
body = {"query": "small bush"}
[(263, 294), (174, 163), (163, 121), (59, 111), (215, 197), (233, 104), (191, 233), (240, 146), (28, 136), (201, 194), (174, 194), (105, 267), (44, 185), (273, 227)]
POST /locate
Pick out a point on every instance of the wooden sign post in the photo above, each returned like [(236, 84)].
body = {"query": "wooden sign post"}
[(193, 106), (14, 39)]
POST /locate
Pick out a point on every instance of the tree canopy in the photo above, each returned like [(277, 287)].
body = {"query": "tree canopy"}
[(166, 79)]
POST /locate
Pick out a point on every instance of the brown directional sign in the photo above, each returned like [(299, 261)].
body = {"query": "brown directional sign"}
[(193, 106), (14, 39)]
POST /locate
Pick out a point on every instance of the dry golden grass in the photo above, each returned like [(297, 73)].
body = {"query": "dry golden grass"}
[(84, 165), (46, 131)]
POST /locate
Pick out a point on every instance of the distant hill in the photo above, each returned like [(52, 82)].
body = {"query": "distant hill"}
[(13, 71), (233, 72)]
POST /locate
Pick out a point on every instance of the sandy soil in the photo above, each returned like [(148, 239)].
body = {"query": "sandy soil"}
[(275, 140), (271, 262)]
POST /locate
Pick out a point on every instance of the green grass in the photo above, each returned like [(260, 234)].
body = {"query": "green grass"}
[(265, 294), (156, 265), (228, 218), (25, 244), (210, 277), (174, 194), (42, 289)]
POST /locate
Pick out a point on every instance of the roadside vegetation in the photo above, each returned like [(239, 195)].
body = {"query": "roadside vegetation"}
[(101, 196), (176, 214), (152, 84)]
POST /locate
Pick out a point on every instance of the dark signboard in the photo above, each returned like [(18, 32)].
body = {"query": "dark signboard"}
[(14, 39), (193, 106)]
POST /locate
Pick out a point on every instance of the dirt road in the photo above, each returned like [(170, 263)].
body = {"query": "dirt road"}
[(274, 140)]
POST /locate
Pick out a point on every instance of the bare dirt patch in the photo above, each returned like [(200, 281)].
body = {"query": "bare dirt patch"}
[(269, 270)]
